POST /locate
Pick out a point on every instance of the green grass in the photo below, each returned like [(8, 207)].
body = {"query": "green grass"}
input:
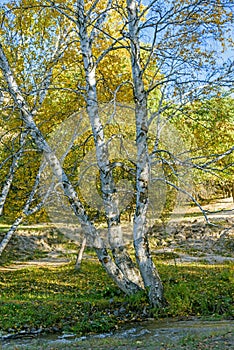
[(87, 301), (56, 297), (199, 289)]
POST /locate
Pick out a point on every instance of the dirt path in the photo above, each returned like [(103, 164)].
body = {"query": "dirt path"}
[(221, 205), (47, 262)]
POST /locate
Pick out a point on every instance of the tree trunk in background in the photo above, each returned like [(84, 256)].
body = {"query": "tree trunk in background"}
[(80, 254)]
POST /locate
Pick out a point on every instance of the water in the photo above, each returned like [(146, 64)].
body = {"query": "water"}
[(165, 331)]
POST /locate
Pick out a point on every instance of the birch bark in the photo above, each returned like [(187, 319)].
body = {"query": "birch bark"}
[(26, 212), (80, 254), (8, 182), (10, 233), (120, 255), (148, 270), (112, 269)]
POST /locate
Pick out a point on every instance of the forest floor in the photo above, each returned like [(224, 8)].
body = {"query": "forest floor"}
[(185, 240)]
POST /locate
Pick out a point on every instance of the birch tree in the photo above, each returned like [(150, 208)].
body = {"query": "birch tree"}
[(166, 60)]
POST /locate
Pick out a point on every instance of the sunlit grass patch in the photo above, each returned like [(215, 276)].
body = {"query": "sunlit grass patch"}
[(198, 289)]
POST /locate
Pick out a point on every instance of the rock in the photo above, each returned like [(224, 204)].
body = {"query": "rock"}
[(122, 310)]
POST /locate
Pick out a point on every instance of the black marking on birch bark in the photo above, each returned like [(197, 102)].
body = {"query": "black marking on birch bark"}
[(143, 198), (114, 221), (140, 135), (146, 246), (105, 260), (144, 183), (117, 250), (144, 127), (78, 209), (65, 185), (130, 10)]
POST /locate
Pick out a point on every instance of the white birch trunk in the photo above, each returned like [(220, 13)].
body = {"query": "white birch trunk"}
[(120, 255), (10, 233), (80, 254), (8, 182), (149, 273), (112, 269), (11, 173), (26, 212)]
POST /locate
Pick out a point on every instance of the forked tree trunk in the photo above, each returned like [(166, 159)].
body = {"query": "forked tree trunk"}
[(119, 252)]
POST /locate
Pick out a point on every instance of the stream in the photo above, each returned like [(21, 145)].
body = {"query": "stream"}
[(165, 334)]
